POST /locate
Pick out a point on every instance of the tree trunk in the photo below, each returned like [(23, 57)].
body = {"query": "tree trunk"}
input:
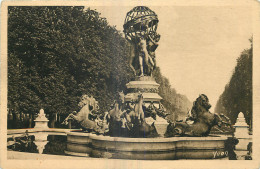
[(30, 121), (53, 120), (69, 123)]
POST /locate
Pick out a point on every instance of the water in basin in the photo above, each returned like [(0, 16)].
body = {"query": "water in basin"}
[(53, 144)]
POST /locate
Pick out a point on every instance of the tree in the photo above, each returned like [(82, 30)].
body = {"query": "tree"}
[(56, 54), (237, 96)]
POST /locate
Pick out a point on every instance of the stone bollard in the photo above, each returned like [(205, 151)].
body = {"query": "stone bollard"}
[(41, 122), (242, 132)]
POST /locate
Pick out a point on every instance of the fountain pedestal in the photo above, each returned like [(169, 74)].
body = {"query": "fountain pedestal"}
[(149, 89), (160, 124), (41, 122), (145, 85)]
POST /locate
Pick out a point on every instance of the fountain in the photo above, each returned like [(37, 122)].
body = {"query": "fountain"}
[(41, 122), (139, 114)]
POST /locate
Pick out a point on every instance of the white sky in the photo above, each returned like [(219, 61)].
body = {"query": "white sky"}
[(198, 47)]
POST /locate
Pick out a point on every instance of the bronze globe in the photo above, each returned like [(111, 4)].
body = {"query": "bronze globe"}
[(140, 21)]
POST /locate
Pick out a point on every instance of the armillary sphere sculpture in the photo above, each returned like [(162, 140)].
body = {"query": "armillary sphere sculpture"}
[(140, 30)]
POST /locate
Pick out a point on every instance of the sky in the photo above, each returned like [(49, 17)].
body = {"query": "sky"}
[(199, 45)]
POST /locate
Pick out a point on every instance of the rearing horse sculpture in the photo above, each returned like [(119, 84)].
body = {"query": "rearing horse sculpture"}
[(114, 117), (136, 121), (204, 120), (87, 104), (129, 122)]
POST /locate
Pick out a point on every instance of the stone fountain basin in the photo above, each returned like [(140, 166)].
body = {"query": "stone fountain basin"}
[(78, 144), (86, 144)]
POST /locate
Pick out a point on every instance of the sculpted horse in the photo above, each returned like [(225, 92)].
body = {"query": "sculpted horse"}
[(128, 121), (152, 111), (88, 105), (114, 117), (136, 123), (204, 120)]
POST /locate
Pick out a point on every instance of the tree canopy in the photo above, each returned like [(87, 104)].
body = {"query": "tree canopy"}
[(57, 54)]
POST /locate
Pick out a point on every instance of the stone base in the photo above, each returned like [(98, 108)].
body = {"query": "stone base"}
[(149, 89), (76, 154), (41, 124), (242, 144), (78, 144), (148, 97), (145, 85), (160, 124)]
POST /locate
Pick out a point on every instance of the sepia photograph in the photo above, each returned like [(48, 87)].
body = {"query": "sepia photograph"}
[(111, 84)]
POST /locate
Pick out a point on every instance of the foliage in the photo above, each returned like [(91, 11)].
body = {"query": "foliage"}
[(56, 54), (237, 96)]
